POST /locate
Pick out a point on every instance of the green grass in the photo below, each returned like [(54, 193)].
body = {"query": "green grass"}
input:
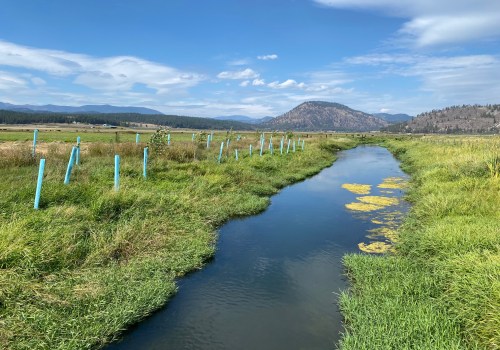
[(441, 289), (92, 261)]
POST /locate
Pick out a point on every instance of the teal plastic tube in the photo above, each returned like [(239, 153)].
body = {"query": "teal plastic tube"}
[(70, 165), (250, 150), (117, 172), (137, 138), (145, 163), (39, 183), (168, 139), (220, 152), (236, 151), (35, 137), (288, 147)]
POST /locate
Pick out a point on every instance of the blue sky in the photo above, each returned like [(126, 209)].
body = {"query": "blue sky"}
[(252, 57)]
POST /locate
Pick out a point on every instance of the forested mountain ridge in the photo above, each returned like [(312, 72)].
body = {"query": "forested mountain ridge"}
[(465, 119)]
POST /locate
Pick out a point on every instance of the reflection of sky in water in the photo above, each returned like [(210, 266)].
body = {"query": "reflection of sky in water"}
[(274, 279)]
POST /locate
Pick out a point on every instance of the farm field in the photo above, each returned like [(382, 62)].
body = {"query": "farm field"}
[(93, 260)]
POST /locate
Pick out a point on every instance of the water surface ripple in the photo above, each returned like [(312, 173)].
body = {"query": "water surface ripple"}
[(274, 281)]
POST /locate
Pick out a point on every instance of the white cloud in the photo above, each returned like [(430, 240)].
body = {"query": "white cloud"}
[(449, 79), (239, 62), (241, 74), (10, 81), (289, 83), (38, 81), (268, 57), (245, 83), (385, 110), (258, 82), (119, 73), (436, 22)]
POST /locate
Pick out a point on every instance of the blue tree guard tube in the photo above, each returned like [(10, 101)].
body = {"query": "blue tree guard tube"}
[(227, 144), (220, 152), (168, 140), (117, 172), (302, 144), (208, 141), (77, 157), (270, 143), (145, 163), (137, 138), (298, 142), (70, 165), (271, 147), (261, 146), (294, 146), (78, 140), (35, 137), (39, 183), (236, 151), (288, 147), (192, 137), (250, 150), (281, 146)]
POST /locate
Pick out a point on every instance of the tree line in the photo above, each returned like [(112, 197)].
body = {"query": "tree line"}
[(120, 119)]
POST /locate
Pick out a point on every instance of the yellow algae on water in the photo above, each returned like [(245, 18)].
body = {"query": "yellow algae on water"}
[(375, 247), (358, 188), (379, 200), (386, 232), (393, 183), (377, 222), (357, 206)]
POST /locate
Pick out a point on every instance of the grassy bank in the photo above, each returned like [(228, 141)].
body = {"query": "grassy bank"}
[(92, 261), (441, 289)]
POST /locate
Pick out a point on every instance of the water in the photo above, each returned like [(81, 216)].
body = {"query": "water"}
[(275, 278)]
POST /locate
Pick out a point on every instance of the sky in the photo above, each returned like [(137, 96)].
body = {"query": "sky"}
[(251, 57)]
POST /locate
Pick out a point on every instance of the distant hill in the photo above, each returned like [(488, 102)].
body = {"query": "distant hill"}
[(244, 119), (318, 116), (120, 119), (80, 109), (454, 120), (393, 118)]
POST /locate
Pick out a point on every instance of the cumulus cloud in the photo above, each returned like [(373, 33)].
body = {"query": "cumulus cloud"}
[(289, 83), (434, 22), (245, 83), (268, 57), (258, 82), (101, 73), (238, 74)]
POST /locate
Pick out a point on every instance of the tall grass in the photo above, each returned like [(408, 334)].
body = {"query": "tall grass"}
[(92, 261), (441, 289)]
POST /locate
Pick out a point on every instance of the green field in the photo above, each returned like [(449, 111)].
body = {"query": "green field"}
[(92, 260), (441, 289)]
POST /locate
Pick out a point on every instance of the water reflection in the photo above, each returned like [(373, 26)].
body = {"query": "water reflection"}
[(274, 279)]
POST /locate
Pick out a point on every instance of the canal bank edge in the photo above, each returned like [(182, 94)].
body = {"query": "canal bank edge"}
[(440, 290), (65, 290)]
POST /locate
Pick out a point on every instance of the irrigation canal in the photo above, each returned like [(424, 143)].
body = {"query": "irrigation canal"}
[(275, 278)]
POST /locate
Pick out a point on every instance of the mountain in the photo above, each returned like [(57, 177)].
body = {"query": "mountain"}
[(244, 119), (80, 109), (393, 118), (318, 115), (454, 120)]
